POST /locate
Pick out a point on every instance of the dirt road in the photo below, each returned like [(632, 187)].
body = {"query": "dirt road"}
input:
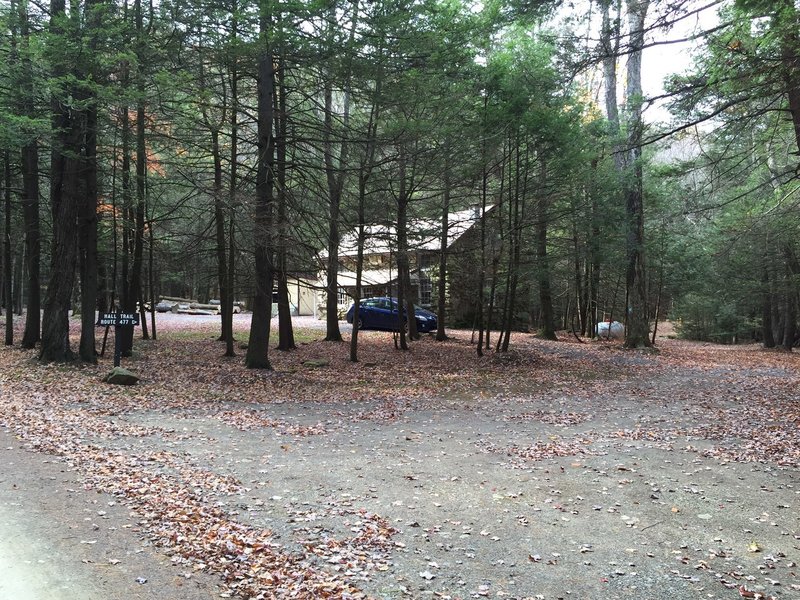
[(563, 471)]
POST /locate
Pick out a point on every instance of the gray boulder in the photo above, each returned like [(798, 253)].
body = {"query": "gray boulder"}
[(315, 363), (120, 376)]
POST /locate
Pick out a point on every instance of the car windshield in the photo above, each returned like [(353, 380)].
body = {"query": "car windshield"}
[(382, 303)]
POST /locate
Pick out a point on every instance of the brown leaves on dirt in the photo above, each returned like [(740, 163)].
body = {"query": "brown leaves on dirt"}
[(745, 593), (745, 408), (245, 420), (552, 418), (542, 450)]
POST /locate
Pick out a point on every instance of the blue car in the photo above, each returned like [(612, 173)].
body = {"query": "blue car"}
[(381, 313)]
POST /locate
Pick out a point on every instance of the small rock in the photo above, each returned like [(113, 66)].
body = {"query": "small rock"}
[(120, 376), (315, 363), (427, 575)]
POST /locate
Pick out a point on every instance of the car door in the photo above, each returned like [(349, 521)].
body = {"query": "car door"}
[(366, 313), (394, 321), (383, 313)]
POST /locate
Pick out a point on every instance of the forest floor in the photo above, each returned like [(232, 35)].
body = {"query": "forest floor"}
[(559, 470)]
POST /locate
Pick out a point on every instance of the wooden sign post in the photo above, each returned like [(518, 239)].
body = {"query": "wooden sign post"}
[(118, 320)]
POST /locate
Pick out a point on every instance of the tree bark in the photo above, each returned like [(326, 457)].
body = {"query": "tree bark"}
[(234, 164), (365, 171), (127, 200), (637, 330), (30, 195), (151, 277), (403, 276), (335, 182), (226, 308), (766, 306), (137, 264), (7, 270), (257, 356), (547, 325), (595, 264), (87, 233), (285, 330), (790, 310), (55, 323), (441, 317), (87, 219), (69, 129), (516, 253), (334, 201), (788, 21), (482, 216), (335, 173), (609, 40), (220, 245), (362, 194)]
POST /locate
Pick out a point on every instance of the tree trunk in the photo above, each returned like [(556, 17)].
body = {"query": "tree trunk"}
[(151, 278), (789, 322), (482, 264), (637, 330), (19, 277), (364, 174), (334, 201), (787, 18), (609, 41), (766, 314), (335, 171), (69, 129), (127, 201), (594, 251), (87, 217), (234, 164), (579, 291), (220, 245), (30, 196), (7, 271), (657, 312), (790, 311), (226, 308), (402, 255), (362, 193), (285, 331), (257, 356), (441, 317), (516, 243), (547, 325), (513, 190), (143, 316), (135, 287), (55, 323), (492, 296), (87, 235), (334, 180)]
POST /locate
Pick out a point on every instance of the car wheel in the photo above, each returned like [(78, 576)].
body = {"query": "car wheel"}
[(360, 323)]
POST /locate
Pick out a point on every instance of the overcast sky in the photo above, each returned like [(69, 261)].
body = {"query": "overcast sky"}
[(660, 61)]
